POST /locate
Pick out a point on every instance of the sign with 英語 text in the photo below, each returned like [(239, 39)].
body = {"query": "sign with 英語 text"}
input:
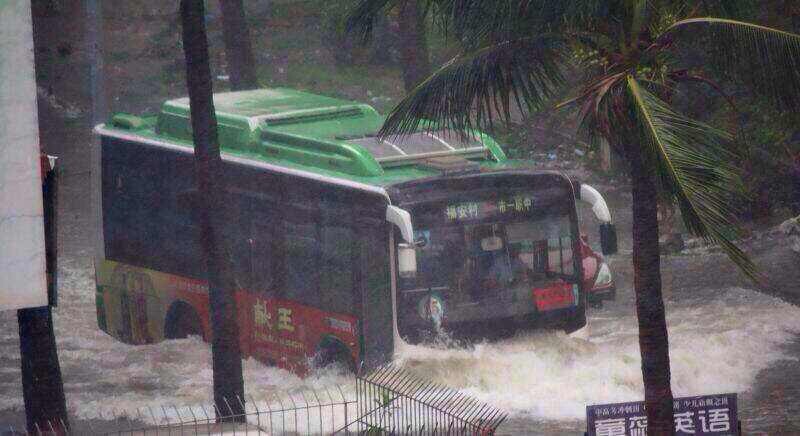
[(22, 253), (707, 415)]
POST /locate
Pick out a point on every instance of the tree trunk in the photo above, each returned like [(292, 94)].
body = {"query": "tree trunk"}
[(414, 48), (238, 50), (605, 155), (653, 340), (226, 355), (42, 388)]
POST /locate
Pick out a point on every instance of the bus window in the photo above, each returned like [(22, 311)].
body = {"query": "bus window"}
[(263, 252), (301, 262), (337, 280), (543, 246), (559, 255)]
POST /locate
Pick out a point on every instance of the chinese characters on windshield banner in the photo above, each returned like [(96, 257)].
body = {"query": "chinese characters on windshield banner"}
[(706, 415), (482, 209)]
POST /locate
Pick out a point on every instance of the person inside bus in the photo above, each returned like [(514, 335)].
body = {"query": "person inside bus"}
[(521, 265), (536, 259), (504, 265)]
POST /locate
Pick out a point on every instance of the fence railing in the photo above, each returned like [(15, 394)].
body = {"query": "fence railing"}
[(393, 401), (386, 401), (302, 412)]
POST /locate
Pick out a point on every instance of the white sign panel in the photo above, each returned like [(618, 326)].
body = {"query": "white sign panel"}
[(22, 260)]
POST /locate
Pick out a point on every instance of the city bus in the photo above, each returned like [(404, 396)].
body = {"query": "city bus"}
[(344, 247)]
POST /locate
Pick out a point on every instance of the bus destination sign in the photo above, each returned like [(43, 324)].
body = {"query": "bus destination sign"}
[(699, 416), (477, 210)]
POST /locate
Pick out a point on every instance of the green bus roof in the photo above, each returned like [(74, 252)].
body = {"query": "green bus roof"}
[(328, 136)]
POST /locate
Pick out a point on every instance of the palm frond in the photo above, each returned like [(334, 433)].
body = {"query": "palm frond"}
[(473, 90), (695, 165), (600, 104), (765, 58), (684, 76), (478, 22)]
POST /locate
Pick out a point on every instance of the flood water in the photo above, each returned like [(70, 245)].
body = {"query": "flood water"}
[(726, 334), (724, 337)]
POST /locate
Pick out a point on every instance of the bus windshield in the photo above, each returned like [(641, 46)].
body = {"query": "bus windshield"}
[(488, 259)]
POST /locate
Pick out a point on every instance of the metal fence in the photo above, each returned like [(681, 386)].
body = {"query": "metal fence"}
[(386, 401), (303, 412), (392, 401)]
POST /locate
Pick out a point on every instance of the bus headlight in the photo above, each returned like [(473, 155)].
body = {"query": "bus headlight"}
[(603, 276)]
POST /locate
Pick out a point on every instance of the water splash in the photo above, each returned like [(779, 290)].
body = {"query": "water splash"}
[(717, 345), (719, 342)]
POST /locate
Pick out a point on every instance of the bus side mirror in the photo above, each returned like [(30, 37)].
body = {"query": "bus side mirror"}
[(406, 260), (406, 252), (608, 238)]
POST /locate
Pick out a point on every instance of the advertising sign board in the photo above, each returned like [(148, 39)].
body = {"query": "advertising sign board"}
[(706, 415), (22, 252)]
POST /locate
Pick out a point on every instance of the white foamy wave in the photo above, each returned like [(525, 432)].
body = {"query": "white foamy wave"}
[(719, 342), (717, 345), (124, 378), (174, 379)]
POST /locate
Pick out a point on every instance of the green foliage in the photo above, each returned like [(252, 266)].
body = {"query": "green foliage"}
[(630, 73), (695, 166), (747, 48), (767, 149), (527, 69)]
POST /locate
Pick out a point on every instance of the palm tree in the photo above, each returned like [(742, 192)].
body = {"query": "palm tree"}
[(521, 52), (238, 48), (225, 353), (413, 47)]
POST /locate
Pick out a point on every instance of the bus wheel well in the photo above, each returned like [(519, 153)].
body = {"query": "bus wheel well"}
[(182, 321), (332, 351)]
